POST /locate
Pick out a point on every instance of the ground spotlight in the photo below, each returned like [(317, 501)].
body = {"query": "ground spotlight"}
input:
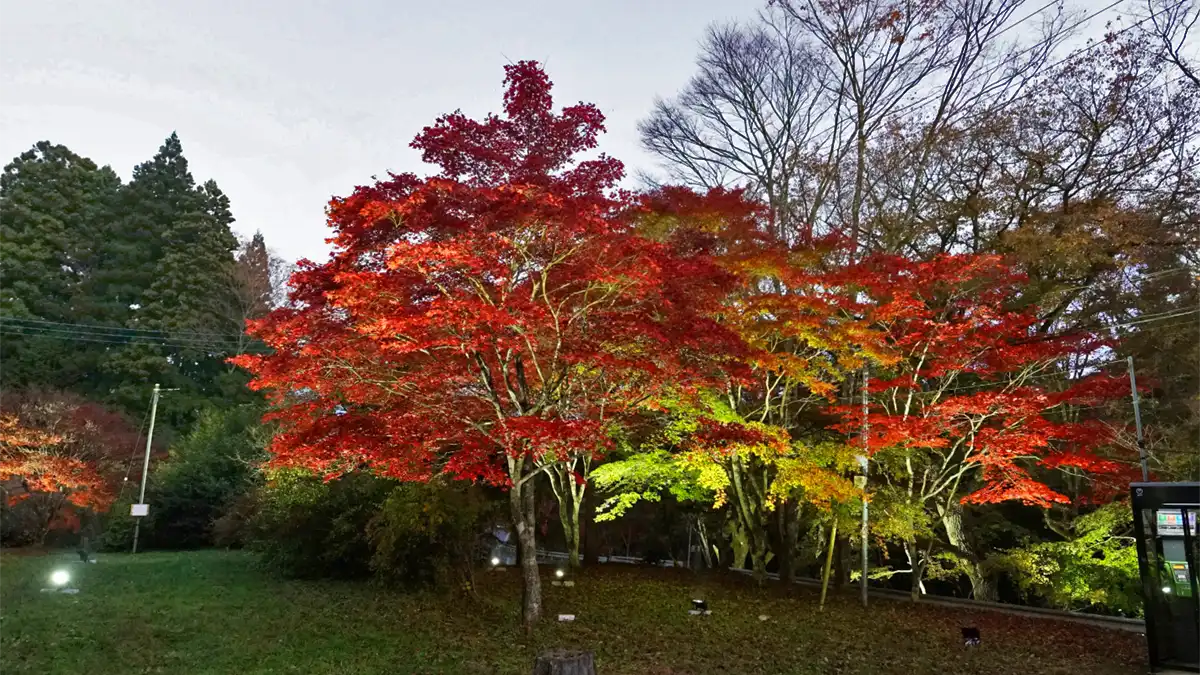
[(60, 577), (1166, 589), (559, 573), (495, 561)]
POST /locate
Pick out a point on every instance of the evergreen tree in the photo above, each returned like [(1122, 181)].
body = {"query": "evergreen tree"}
[(161, 192), (55, 208), (177, 279)]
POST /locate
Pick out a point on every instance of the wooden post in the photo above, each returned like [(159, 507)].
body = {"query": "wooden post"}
[(564, 662), (828, 565)]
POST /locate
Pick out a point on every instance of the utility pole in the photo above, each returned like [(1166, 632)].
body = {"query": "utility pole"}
[(862, 462), (1137, 418), (137, 526)]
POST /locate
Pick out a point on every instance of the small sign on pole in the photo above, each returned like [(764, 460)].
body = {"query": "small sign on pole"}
[(139, 510)]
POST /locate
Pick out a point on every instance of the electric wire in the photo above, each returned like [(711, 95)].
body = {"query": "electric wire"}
[(133, 457)]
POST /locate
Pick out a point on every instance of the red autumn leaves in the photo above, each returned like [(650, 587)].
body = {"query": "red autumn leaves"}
[(59, 447), (517, 303), (964, 375)]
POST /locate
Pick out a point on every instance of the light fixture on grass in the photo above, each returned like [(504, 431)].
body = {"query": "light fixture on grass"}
[(559, 573), (495, 562), (60, 578)]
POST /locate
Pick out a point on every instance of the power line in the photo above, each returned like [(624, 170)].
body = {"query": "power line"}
[(1004, 384), (112, 339), (113, 329), (137, 444), (1151, 318), (81, 332), (921, 102), (1061, 374), (1140, 277)]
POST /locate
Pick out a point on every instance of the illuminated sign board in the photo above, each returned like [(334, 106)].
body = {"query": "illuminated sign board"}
[(1170, 522)]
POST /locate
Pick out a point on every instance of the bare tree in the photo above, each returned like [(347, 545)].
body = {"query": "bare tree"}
[(281, 271), (893, 62), (259, 283), (793, 105), (747, 117), (1171, 22)]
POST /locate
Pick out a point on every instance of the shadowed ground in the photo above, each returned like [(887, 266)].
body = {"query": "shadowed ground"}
[(214, 612)]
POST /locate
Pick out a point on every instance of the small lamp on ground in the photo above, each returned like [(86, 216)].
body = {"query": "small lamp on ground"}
[(60, 582)]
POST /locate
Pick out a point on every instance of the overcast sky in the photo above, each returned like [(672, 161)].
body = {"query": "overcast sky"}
[(285, 103)]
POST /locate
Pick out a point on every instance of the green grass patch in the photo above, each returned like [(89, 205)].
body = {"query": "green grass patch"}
[(214, 612)]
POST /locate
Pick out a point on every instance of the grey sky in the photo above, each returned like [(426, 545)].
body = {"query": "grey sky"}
[(287, 103)]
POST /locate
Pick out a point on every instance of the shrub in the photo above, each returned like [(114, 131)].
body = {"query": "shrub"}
[(118, 525), (308, 528), (1096, 569), (431, 533), (206, 470), (232, 528)]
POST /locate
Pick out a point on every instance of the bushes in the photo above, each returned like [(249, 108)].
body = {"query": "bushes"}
[(204, 472), (118, 528), (232, 528), (1096, 568), (430, 533), (358, 525), (308, 528)]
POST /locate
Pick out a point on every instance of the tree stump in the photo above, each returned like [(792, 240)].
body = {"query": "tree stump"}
[(564, 662)]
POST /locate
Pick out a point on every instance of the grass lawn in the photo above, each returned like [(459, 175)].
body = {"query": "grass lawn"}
[(214, 612)]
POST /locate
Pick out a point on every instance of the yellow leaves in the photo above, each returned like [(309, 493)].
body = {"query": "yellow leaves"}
[(13, 434), (818, 472), (711, 476), (813, 472)]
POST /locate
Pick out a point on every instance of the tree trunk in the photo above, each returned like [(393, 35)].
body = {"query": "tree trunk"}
[(564, 662), (522, 504), (758, 559), (791, 534), (573, 539), (828, 565), (589, 536), (705, 546), (54, 505), (570, 498), (917, 564), (982, 587), (741, 547)]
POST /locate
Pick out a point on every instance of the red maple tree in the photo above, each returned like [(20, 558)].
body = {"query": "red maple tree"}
[(968, 403), (60, 454), (493, 318)]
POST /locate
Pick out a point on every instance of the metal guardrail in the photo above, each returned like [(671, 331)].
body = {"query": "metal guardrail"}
[(509, 552), (1111, 622)]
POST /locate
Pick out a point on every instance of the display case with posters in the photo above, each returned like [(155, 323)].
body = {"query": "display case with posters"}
[(1164, 518)]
